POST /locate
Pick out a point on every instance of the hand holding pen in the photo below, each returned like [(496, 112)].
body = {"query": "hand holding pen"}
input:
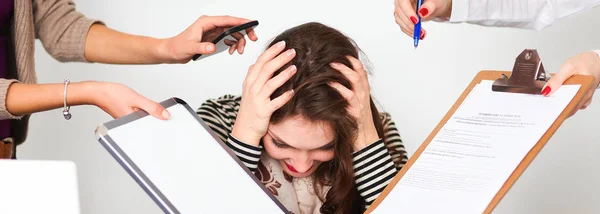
[(418, 34), (405, 13)]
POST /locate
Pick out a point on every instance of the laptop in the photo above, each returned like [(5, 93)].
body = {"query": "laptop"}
[(38, 186), (182, 164)]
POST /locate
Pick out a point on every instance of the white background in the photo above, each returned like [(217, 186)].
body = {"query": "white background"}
[(416, 86)]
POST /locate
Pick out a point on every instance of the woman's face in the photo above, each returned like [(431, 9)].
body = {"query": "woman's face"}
[(299, 145)]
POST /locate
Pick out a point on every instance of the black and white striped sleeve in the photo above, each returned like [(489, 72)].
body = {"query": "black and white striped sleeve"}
[(393, 141), (373, 170), (248, 154), (219, 114)]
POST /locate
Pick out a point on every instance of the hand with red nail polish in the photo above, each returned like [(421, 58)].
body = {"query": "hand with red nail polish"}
[(406, 15), (587, 63)]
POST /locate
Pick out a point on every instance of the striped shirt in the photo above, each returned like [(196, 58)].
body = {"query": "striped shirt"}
[(375, 165)]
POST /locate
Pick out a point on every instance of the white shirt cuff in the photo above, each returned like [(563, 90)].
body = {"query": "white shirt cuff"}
[(460, 11)]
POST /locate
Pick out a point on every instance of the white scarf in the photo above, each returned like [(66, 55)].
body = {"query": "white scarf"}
[(296, 194)]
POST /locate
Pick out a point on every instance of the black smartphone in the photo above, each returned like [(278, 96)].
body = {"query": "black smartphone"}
[(227, 38)]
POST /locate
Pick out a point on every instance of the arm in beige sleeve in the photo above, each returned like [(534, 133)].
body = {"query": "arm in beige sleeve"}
[(4, 85), (61, 29)]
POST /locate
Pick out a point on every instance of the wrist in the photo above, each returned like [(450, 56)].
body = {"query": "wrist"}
[(366, 138), (84, 93), (245, 137), (79, 93), (162, 51)]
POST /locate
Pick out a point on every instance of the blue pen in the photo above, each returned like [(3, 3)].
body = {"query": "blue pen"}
[(417, 32)]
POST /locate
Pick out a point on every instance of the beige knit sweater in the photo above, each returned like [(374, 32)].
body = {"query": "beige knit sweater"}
[(62, 31)]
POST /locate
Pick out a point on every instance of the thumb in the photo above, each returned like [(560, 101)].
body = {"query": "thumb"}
[(557, 80), (203, 48), (153, 108), (426, 9)]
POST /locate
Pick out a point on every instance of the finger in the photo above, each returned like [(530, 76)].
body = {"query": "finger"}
[(237, 35), (211, 35), (270, 53), (241, 42), (406, 13), (587, 101), (271, 67), (251, 34), (229, 42), (557, 80), (281, 100), (202, 48), (426, 9), (246, 83), (232, 49), (345, 92), (277, 81), (152, 108), (357, 66), (250, 69), (403, 26), (265, 57), (211, 22), (346, 71), (584, 106), (241, 45)]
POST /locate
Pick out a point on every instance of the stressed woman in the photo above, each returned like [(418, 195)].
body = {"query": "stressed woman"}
[(306, 125)]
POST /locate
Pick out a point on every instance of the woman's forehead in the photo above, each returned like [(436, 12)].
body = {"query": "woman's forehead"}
[(300, 133)]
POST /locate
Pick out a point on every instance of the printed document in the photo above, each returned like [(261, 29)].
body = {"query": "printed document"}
[(476, 151)]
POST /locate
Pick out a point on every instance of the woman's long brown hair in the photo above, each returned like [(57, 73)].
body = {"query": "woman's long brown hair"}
[(316, 46)]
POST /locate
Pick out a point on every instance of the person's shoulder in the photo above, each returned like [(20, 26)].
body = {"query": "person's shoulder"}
[(385, 117), (227, 100), (225, 104)]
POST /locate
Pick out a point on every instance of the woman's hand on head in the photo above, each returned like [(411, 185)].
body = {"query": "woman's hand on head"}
[(118, 100), (360, 100), (198, 37), (586, 63), (406, 16), (257, 107)]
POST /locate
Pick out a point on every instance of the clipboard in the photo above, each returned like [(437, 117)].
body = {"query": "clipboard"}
[(182, 165), (528, 76)]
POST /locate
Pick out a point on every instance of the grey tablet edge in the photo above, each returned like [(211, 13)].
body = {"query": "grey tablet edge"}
[(104, 138)]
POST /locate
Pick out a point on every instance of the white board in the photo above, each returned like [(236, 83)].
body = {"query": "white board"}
[(182, 165), (38, 186)]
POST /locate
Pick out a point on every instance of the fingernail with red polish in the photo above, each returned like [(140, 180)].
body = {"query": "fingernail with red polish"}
[(423, 12), (423, 33), (546, 91), (414, 20)]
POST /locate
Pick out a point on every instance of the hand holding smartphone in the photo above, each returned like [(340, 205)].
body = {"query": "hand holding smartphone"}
[(229, 38)]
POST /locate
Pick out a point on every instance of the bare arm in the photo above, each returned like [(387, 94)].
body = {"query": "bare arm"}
[(23, 99), (106, 45), (115, 99)]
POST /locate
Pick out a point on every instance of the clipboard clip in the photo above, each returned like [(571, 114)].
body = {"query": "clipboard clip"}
[(528, 75)]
